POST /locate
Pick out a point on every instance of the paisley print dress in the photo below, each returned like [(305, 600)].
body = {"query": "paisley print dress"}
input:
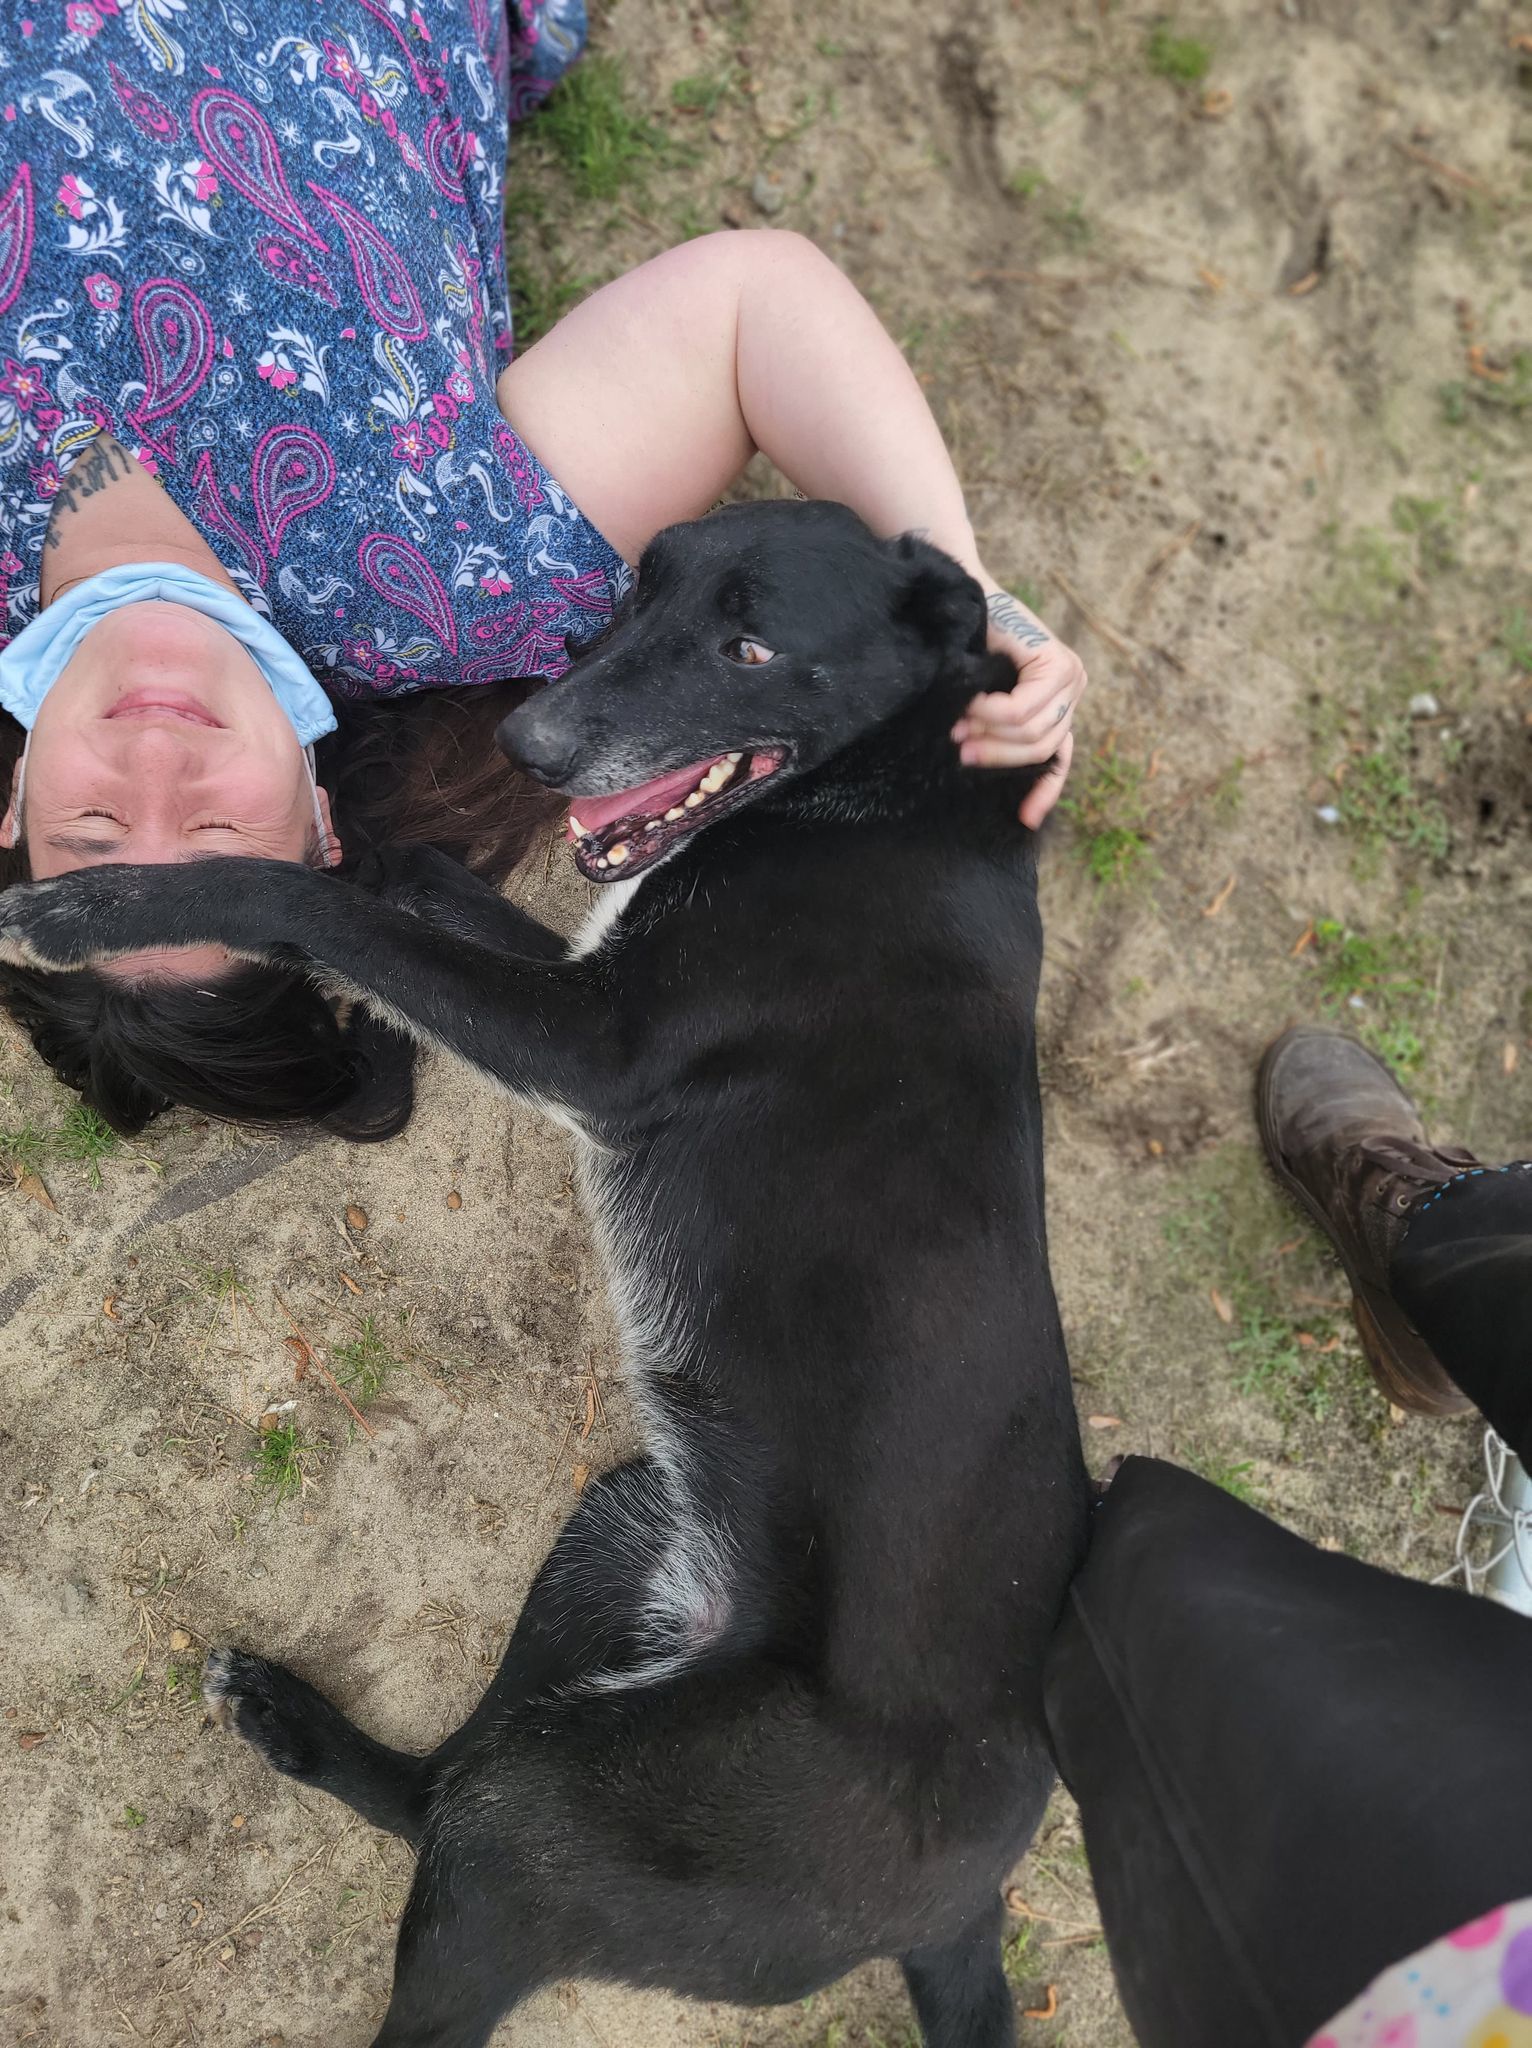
[(261, 242)]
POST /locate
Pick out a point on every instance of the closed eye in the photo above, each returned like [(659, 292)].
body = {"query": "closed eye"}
[(748, 653)]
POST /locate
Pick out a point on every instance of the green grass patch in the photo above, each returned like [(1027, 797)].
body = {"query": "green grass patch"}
[(703, 94), (1380, 800), (1468, 398), (1375, 988), (79, 1138), (1232, 1475), (284, 1460), (1184, 60), (1026, 181), (1110, 813), (602, 143), (132, 1818), (1031, 594), (1225, 1244), (1515, 640), (364, 1366)]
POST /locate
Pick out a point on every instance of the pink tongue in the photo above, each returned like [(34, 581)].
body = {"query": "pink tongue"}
[(646, 800)]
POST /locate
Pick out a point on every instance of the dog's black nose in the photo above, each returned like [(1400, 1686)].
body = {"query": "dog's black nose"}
[(539, 742)]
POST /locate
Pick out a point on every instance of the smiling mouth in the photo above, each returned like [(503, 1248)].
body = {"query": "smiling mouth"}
[(163, 704), (621, 835)]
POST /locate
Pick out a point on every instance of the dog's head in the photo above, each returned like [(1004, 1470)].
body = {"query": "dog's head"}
[(761, 641)]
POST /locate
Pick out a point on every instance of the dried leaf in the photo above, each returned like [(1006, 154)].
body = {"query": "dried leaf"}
[(109, 1308), (579, 1476), (1217, 102), (1395, 1412), (1222, 897), (347, 1281), (1510, 1055), (1211, 278), (1047, 2010), (1155, 1148), (355, 1217), (1221, 1308), (1304, 941), (454, 1200), (32, 1739), (31, 1186), (1103, 1421), (179, 1639), (1307, 1341), (1305, 285)]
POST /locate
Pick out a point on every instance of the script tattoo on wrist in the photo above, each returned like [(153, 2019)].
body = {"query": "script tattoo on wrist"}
[(104, 462), (1008, 615)]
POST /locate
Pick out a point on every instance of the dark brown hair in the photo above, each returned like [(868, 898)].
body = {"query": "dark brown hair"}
[(262, 1045)]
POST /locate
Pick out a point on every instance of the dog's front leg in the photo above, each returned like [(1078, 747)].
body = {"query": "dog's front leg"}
[(432, 885), (539, 1025)]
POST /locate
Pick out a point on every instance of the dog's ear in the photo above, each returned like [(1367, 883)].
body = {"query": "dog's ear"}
[(940, 600)]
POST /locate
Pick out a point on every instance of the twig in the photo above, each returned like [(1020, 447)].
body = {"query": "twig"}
[(314, 1359), (270, 1905), (1448, 171), (1222, 897), (1149, 583), (1099, 626)]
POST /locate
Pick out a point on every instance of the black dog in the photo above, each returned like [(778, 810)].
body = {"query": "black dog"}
[(773, 1704)]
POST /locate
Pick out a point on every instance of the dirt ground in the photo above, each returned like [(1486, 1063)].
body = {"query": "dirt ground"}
[(1230, 326)]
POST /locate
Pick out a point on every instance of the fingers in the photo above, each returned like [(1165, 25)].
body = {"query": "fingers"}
[(1049, 786)]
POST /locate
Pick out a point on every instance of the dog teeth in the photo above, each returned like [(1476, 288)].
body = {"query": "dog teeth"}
[(716, 777), (694, 799), (603, 863), (734, 759), (583, 830), (617, 854), (673, 813), (653, 825)]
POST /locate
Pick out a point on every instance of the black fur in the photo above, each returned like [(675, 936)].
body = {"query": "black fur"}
[(773, 1705)]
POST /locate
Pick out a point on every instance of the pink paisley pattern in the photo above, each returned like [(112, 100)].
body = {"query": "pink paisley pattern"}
[(309, 369), (150, 116), (174, 331), (447, 145), (385, 284), (239, 140), (214, 516), (292, 472), (15, 236), (402, 574)]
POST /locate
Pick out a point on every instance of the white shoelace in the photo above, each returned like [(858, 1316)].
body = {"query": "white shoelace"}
[(1494, 1540)]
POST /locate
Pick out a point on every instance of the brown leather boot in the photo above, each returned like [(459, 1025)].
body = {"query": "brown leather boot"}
[(1347, 1143)]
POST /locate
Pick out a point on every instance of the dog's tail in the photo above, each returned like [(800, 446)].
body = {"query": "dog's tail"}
[(299, 1732)]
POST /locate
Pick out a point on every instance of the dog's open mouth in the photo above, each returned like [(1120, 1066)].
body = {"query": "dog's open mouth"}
[(617, 836)]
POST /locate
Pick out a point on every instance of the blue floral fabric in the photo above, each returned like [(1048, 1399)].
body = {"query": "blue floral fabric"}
[(262, 244)]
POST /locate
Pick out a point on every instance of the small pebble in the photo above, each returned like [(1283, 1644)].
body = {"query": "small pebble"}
[(768, 193), (179, 1639), (1424, 705), (357, 1218), (1327, 814)]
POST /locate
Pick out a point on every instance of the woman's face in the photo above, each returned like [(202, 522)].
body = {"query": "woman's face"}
[(161, 740)]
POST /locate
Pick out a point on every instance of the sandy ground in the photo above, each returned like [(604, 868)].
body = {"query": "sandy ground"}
[(1237, 369)]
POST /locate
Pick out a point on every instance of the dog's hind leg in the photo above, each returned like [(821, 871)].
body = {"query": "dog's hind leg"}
[(959, 1991), (300, 1733), (456, 1969)]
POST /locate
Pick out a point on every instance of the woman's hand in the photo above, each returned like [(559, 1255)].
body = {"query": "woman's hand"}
[(1034, 721)]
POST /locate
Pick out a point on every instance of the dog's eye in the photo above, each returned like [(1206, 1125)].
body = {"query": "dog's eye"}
[(748, 653)]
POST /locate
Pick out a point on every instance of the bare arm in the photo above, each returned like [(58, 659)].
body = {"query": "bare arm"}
[(649, 398)]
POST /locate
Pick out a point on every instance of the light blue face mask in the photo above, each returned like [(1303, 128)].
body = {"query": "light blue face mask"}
[(35, 659)]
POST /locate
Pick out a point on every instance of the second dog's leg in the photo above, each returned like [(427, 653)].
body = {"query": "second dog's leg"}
[(960, 1992), (301, 1734)]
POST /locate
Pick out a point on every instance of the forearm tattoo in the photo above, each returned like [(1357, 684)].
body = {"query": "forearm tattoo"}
[(104, 462), (1008, 615)]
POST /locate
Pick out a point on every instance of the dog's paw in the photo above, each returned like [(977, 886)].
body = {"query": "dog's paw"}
[(273, 1711), (49, 926)]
